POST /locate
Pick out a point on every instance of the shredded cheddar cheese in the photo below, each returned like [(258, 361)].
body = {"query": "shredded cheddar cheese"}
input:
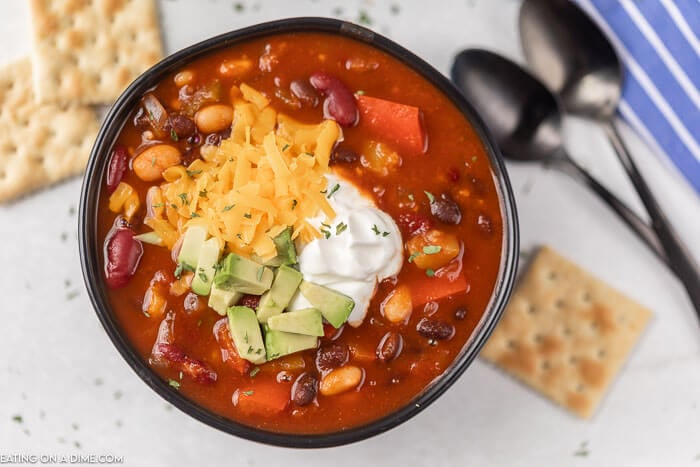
[(268, 175)]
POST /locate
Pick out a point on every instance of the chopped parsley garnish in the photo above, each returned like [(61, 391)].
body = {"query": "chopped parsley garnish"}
[(245, 337), (340, 228), (173, 135), (153, 161), (294, 204), (260, 273), (174, 384), (333, 190), (228, 208), (203, 193), (254, 372), (194, 214), (286, 146), (326, 233), (174, 206), (429, 272), (326, 225), (192, 173), (183, 197), (376, 231), (364, 18), (431, 249), (158, 205), (413, 256), (203, 277), (17, 419), (250, 349), (431, 197), (248, 393), (247, 215), (384, 234)]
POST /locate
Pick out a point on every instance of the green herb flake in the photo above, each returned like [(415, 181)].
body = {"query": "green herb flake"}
[(203, 193), (413, 256), (183, 197), (17, 419), (326, 233), (254, 372), (248, 215), (260, 273), (174, 384), (174, 206), (340, 228), (286, 146), (194, 214), (431, 197), (158, 205), (153, 161), (429, 272), (385, 234), (173, 135), (364, 18), (248, 393), (375, 229), (192, 173), (294, 204), (239, 7), (203, 277), (328, 226), (245, 337), (228, 208), (432, 249), (333, 190)]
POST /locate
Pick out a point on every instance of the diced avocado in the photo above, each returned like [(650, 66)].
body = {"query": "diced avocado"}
[(286, 251), (243, 275), (194, 238), (334, 306), (245, 331), (221, 299), (206, 267), (280, 343), (307, 321), (284, 287)]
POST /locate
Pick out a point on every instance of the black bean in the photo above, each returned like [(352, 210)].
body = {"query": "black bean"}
[(181, 126), (332, 356), (435, 329), (460, 313), (390, 346), (342, 155), (304, 389), (446, 210), (214, 139)]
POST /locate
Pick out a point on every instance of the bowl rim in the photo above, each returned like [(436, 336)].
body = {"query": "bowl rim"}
[(90, 246)]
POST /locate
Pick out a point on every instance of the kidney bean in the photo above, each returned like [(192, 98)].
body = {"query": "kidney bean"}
[(304, 91), (191, 367), (331, 357), (435, 329), (118, 162), (251, 301), (341, 155), (390, 346), (414, 223), (304, 389), (122, 254), (340, 104), (446, 210), (180, 126), (214, 139)]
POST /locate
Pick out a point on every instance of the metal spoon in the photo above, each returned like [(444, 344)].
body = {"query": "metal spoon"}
[(525, 119), (573, 57)]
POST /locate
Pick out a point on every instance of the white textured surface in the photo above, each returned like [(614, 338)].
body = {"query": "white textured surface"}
[(61, 374)]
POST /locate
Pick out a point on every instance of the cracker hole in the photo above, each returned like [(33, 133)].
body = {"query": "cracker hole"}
[(559, 304), (586, 297), (594, 325), (531, 309), (511, 344), (552, 276), (2, 175), (601, 353), (537, 338), (567, 332), (545, 365), (580, 388), (573, 360)]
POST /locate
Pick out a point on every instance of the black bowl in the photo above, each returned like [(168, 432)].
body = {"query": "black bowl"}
[(91, 255)]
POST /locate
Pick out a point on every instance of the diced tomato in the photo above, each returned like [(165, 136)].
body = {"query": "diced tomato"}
[(398, 124), (263, 398), (413, 223), (436, 287), (229, 354)]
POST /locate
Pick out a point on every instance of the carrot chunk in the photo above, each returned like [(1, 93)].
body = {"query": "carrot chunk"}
[(263, 398), (398, 124), (435, 288)]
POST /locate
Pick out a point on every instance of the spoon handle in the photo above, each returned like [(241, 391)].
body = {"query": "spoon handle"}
[(633, 221), (676, 251)]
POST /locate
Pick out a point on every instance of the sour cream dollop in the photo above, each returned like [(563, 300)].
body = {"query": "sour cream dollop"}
[(354, 259)]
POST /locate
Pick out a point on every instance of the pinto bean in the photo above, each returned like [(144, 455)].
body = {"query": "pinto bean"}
[(397, 307), (213, 118), (435, 329), (150, 164), (304, 389)]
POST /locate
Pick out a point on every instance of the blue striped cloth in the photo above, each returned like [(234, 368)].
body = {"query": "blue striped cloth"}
[(658, 43)]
